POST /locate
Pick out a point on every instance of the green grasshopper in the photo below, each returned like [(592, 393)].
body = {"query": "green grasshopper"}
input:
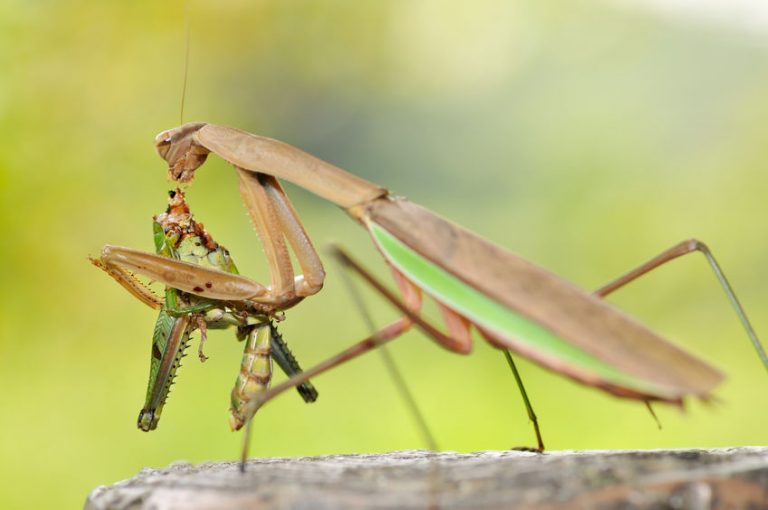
[(179, 237)]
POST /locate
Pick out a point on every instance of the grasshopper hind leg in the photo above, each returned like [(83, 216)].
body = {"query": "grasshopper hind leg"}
[(285, 359), (263, 345)]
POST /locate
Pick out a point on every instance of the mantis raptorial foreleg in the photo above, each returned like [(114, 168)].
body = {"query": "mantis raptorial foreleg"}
[(273, 217), (129, 282), (275, 221), (185, 276), (264, 217)]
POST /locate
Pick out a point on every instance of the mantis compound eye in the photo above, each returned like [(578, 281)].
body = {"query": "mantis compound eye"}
[(163, 146)]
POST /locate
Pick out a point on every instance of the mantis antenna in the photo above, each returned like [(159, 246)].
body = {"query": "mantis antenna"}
[(187, 30)]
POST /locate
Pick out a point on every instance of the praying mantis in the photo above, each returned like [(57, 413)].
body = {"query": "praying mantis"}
[(177, 236), (515, 305)]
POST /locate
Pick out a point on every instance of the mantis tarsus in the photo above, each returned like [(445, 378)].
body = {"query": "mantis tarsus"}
[(178, 236)]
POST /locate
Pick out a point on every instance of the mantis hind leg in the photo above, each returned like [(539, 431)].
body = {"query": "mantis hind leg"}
[(678, 250)]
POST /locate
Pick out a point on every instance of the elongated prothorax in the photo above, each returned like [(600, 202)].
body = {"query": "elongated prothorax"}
[(181, 147)]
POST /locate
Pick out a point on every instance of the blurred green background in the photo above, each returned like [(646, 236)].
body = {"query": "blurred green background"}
[(582, 135)]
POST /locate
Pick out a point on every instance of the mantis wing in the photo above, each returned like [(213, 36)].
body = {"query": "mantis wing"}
[(527, 309)]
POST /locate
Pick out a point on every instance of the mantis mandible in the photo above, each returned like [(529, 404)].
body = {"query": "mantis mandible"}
[(178, 236), (514, 304)]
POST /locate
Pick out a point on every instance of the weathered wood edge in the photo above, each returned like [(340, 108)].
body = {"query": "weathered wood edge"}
[(659, 479)]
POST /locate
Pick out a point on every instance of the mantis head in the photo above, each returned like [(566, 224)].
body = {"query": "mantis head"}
[(179, 147)]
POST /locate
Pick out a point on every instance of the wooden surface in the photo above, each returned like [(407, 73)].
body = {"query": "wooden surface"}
[(653, 479)]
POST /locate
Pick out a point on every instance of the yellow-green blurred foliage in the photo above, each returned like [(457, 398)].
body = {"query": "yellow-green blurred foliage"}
[(582, 136)]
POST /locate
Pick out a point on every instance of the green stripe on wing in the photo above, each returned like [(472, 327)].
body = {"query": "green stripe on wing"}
[(497, 318)]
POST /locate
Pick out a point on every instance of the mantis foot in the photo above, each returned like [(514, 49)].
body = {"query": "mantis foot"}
[(527, 449)]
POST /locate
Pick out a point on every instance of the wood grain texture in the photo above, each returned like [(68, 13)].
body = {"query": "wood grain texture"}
[(652, 479)]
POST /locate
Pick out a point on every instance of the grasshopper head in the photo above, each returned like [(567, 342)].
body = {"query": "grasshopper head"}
[(148, 419), (182, 152)]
